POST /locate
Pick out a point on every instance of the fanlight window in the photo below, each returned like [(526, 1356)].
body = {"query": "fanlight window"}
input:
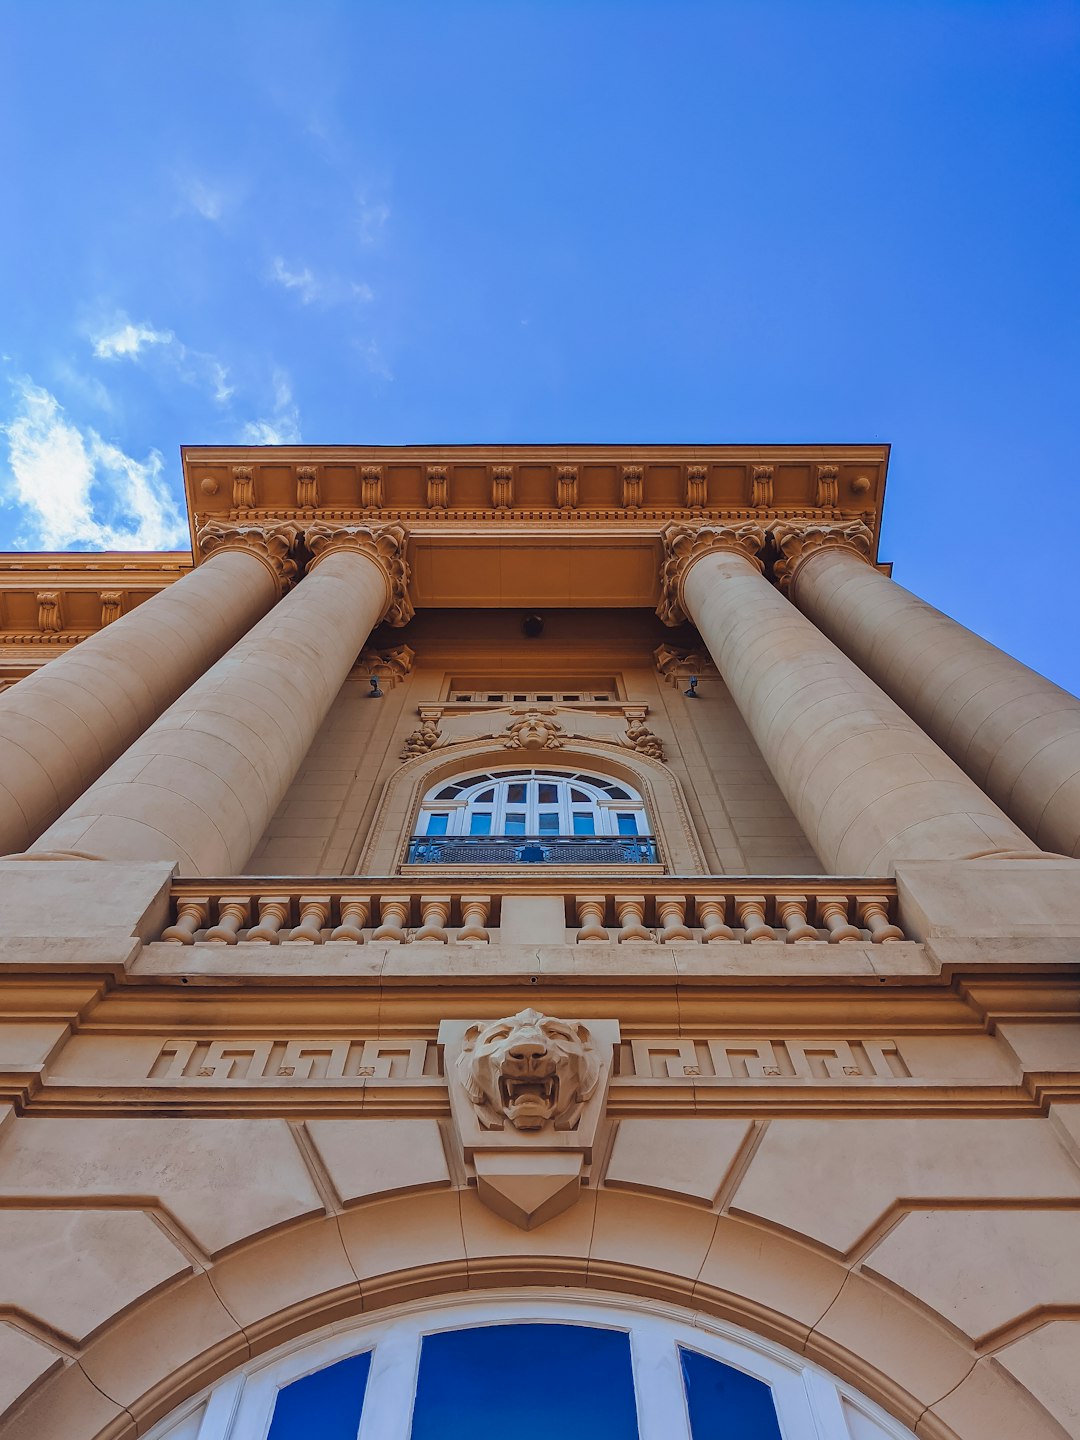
[(530, 815), (596, 1370)]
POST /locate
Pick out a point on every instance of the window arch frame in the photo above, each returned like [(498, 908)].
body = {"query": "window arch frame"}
[(578, 793), (380, 845), (810, 1403)]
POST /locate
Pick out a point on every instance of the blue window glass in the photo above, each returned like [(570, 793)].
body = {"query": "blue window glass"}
[(480, 823), (515, 823), (627, 824), (584, 823), (326, 1404), (515, 793), (436, 824), (471, 1383), (725, 1403), (549, 822)]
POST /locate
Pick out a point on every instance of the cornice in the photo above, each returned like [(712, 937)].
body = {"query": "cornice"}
[(270, 544), (797, 543), (684, 545), (384, 544)]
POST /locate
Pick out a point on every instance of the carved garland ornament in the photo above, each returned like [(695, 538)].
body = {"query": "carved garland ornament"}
[(684, 544), (797, 543), (385, 544), (271, 544)]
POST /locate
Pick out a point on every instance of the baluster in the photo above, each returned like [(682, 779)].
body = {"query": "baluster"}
[(750, 911), (475, 910), (631, 912), (791, 910), (273, 913), (393, 917), (671, 912), (833, 914), (191, 915), (232, 916), (590, 913), (355, 914), (711, 914), (434, 912), (873, 912), (314, 913)]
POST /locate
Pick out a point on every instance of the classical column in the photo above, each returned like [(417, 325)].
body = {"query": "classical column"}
[(201, 784), (1015, 733), (867, 786), (61, 727)]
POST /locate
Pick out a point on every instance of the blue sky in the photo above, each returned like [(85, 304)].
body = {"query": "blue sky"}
[(597, 221)]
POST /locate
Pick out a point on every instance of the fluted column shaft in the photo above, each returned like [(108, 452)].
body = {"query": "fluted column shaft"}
[(866, 784), (63, 726), (202, 783), (1013, 731)]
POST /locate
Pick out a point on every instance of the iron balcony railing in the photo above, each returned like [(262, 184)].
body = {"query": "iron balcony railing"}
[(532, 850)]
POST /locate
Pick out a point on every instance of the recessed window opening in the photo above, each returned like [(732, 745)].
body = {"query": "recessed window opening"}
[(541, 811)]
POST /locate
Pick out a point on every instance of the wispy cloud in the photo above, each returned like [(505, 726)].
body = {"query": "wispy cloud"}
[(283, 426), (75, 490), (323, 290), (209, 203), (375, 360), (302, 281), (125, 340), (371, 219)]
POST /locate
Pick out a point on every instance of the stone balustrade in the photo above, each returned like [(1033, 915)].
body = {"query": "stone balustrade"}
[(685, 910)]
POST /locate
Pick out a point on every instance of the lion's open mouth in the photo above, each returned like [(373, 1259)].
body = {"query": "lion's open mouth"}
[(532, 1091)]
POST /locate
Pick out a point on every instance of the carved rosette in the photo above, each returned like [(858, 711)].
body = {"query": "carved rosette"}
[(685, 544), (272, 544), (384, 544), (797, 543)]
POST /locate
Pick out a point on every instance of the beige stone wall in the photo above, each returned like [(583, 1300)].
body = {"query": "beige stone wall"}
[(739, 819), (907, 1216)]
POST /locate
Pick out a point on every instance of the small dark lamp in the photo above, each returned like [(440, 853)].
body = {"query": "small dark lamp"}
[(533, 626), (375, 693), (692, 692)]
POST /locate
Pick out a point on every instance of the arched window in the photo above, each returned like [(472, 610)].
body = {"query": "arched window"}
[(602, 1370), (531, 815)]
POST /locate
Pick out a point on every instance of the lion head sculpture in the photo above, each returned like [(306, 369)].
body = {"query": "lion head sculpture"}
[(530, 1069)]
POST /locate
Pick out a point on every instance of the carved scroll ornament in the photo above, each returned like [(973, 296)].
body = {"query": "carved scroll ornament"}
[(272, 544), (384, 544), (685, 544), (797, 543)]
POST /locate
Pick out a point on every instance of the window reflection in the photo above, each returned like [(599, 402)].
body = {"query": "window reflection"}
[(725, 1403), (569, 1381), (326, 1404)]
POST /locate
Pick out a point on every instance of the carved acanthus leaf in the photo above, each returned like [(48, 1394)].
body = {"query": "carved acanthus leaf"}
[(112, 606), (797, 543), (642, 740), (272, 544), (243, 487), (685, 544), (389, 665), (50, 615), (385, 544)]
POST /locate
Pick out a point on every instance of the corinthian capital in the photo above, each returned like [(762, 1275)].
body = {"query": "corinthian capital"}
[(385, 544), (685, 544), (797, 543), (271, 544)]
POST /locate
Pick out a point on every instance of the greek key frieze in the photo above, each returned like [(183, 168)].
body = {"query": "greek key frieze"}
[(293, 1060), (755, 1059)]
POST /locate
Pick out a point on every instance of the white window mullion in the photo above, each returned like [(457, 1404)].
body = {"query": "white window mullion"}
[(391, 1385), (658, 1384)]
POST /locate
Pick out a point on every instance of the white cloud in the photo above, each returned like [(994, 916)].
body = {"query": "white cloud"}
[(281, 428), (123, 339), (375, 360), (372, 216), (126, 340), (302, 281), (324, 290), (207, 200), (75, 490)]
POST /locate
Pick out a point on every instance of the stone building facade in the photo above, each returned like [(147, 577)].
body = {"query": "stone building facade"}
[(532, 885)]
